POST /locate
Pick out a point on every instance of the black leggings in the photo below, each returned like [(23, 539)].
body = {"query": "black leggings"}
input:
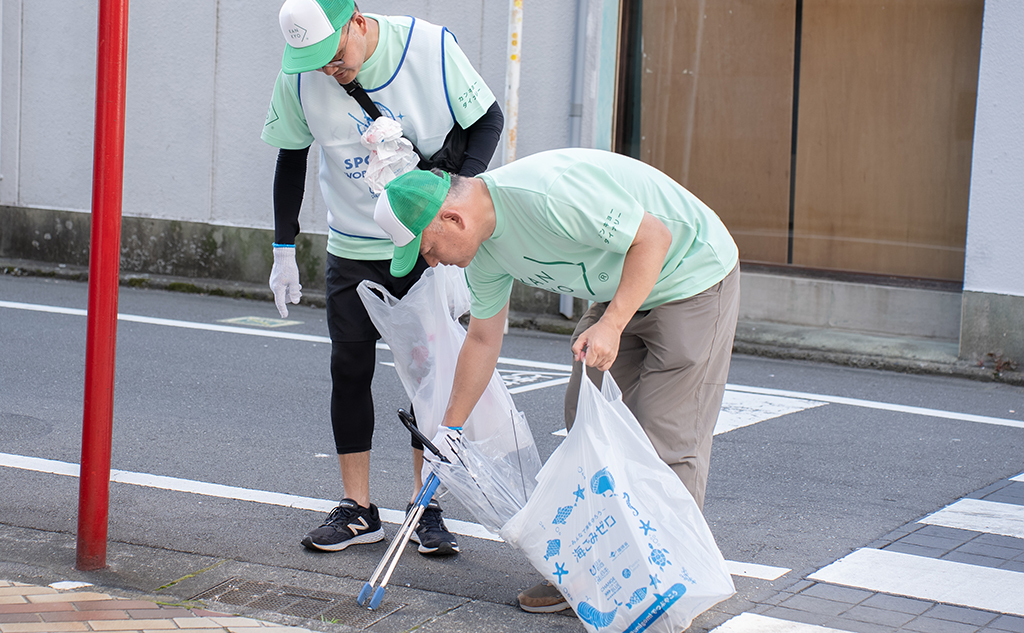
[(351, 400), (353, 347)]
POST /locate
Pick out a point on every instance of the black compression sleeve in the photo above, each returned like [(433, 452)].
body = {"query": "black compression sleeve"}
[(483, 138), (289, 186)]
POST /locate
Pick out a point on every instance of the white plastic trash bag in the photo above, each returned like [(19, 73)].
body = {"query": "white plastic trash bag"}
[(391, 154), (615, 530), (425, 337)]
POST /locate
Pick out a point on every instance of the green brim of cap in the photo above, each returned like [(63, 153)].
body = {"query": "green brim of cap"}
[(300, 60), (404, 259)]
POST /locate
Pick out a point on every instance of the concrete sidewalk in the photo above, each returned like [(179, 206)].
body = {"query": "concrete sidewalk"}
[(28, 608)]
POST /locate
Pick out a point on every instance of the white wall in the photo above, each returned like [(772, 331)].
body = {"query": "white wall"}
[(995, 226), (200, 75)]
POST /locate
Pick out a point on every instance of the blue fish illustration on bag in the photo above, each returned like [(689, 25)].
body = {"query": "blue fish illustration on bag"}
[(602, 482), (593, 617), (562, 514), (637, 597), (554, 546)]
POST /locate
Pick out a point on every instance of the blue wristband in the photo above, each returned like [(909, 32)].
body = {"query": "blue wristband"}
[(276, 245)]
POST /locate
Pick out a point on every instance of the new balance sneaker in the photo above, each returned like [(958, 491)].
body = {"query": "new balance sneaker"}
[(431, 534), (348, 524), (542, 598)]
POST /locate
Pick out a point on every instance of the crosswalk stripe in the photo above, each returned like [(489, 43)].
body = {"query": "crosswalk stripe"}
[(1019, 477), (931, 579), (753, 623), (991, 517)]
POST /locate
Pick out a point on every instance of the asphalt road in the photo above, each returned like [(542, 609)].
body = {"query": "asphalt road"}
[(247, 408)]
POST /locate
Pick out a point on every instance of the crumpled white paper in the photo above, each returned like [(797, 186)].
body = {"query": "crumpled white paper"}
[(391, 154)]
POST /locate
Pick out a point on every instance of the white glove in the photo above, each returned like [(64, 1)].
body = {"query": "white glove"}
[(284, 279)]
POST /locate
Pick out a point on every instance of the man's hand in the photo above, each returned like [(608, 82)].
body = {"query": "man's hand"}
[(598, 345), (284, 279)]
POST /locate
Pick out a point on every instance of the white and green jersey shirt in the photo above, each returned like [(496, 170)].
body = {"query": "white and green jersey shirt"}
[(565, 219), (418, 76)]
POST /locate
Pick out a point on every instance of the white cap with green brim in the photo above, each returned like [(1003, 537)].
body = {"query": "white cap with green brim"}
[(404, 209), (312, 30)]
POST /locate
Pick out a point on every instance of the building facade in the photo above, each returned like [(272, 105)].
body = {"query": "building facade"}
[(868, 157)]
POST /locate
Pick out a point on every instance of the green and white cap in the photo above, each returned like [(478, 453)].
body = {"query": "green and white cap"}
[(405, 207), (312, 30)]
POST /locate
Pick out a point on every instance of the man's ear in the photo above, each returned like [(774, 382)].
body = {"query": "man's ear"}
[(454, 216)]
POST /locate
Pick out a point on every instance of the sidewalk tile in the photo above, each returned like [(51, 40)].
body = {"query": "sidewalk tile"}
[(25, 591), (85, 596), (83, 616), (961, 614), (26, 607), (925, 624), (12, 600), (44, 627), (131, 625), (196, 623), (236, 621), (1010, 623), (165, 613), (9, 618), (122, 604), (898, 603)]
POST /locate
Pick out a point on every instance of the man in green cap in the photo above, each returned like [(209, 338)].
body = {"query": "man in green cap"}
[(659, 265), (415, 73)]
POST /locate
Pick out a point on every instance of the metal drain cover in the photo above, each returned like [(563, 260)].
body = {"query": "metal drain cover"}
[(324, 606)]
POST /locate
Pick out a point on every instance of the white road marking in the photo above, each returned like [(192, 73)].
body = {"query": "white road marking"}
[(176, 484), (1019, 477), (753, 570), (741, 409), (991, 517), (753, 623), (931, 579), (869, 404), (937, 413), (464, 528)]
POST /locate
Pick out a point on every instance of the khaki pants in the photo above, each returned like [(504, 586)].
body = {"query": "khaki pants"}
[(672, 367)]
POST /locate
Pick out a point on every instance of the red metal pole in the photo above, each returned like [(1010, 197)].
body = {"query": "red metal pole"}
[(104, 266)]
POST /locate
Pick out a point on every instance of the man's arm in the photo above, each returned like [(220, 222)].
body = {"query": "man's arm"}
[(289, 188), (640, 270), (477, 360), (481, 141)]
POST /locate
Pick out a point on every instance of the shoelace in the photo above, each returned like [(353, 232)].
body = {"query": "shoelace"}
[(339, 515), (431, 519)]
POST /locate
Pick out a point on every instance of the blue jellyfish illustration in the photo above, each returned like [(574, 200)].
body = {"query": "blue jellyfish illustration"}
[(602, 482), (593, 617)]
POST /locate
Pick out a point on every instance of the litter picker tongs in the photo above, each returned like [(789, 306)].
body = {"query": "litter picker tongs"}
[(412, 519)]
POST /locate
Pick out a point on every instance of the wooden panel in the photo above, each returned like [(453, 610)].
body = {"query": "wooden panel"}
[(885, 130), (717, 94)]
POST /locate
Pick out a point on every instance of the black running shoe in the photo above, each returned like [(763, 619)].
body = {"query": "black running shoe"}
[(348, 524), (433, 537)]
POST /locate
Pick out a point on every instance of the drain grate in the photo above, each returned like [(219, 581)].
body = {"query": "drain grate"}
[(325, 606)]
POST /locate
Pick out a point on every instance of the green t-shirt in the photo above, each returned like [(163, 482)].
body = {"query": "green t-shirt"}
[(565, 219)]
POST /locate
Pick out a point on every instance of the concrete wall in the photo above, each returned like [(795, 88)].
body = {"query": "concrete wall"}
[(200, 75), (993, 300)]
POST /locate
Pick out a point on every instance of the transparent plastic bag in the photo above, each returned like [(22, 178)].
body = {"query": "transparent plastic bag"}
[(491, 483), (612, 526), (425, 336)]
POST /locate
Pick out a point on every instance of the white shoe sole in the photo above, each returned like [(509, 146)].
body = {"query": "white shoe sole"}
[(368, 537)]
